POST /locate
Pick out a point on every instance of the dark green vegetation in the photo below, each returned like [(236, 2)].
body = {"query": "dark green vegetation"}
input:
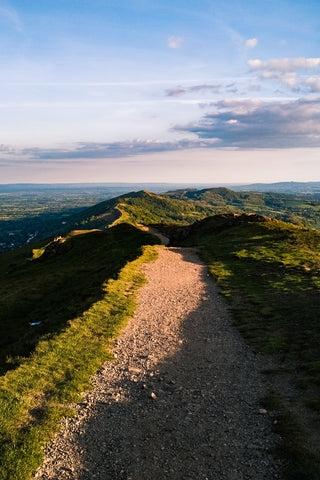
[(271, 270), (39, 296), (29, 213), (270, 273), (300, 209), (27, 216), (75, 290)]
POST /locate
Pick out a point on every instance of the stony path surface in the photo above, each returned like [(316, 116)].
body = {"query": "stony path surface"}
[(181, 400)]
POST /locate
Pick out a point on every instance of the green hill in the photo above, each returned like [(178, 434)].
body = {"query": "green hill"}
[(179, 207), (143, 208), (184, 207), (301, 209)]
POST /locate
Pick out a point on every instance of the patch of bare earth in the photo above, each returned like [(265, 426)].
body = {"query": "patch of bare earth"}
[(180, 400)]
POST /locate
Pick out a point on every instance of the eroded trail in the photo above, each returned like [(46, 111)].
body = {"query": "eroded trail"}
[(181, 400)]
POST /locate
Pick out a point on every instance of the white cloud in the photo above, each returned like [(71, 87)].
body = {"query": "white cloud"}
[(258, 124), (288, 72), (283, 65), (251, 42), (313, 83), (175, 42)]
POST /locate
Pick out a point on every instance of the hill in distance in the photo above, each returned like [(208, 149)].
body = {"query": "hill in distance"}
[(303, 188), (179, 207), (185, 206)]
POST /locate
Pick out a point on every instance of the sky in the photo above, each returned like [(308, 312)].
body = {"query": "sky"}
[(159, 91)]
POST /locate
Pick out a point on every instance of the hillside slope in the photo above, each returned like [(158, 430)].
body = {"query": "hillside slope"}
[(301, 209), (143, 208), (270, 273), (179, 207), (58, 314), (39, 296)]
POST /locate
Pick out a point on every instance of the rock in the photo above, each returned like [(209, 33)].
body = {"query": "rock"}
[(263, 411), (134, 370), (153, 396)]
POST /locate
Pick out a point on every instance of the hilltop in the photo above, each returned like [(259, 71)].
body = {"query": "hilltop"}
[(180, 207), (301, 209)]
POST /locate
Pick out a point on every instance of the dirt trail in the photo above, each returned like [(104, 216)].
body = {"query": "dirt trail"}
[(181, 400)]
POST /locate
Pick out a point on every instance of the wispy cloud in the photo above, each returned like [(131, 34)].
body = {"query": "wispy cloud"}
[(10, 15), (113, 149), (257, 124), (213, 88), (174, 41), (205, 87)]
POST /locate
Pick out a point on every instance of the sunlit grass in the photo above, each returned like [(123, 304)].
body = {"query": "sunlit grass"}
[(270, 274), (44, 387)]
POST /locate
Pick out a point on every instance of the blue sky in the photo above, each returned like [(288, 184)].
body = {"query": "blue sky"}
[(157, 90)]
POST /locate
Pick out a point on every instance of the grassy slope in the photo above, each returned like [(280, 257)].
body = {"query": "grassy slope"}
[(270, 274), (144, 208), (58, 288), (149, 208), (179, 207), (301, 209), (38, 393)]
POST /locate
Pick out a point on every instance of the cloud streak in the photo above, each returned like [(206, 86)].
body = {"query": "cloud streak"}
[(113, 149), (202, 88), (215, 89)]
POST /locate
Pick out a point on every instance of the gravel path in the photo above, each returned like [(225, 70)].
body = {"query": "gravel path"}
[(181, 400)]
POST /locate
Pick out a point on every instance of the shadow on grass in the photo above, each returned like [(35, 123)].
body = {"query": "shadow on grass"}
[(38, 298)]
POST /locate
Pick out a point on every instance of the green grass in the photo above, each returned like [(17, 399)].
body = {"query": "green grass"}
[(300, 209), (270, 274), (295, 452), (41, 390), (148, 208), (41, 219), (54, 289), (270, 271)]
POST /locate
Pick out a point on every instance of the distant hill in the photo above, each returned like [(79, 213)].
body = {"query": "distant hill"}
[(20, 225), (301, 209), (180, 207), (282, 187), (143, 208)]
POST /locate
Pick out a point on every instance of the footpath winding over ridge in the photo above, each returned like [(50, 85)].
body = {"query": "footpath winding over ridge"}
[(181, 399)]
